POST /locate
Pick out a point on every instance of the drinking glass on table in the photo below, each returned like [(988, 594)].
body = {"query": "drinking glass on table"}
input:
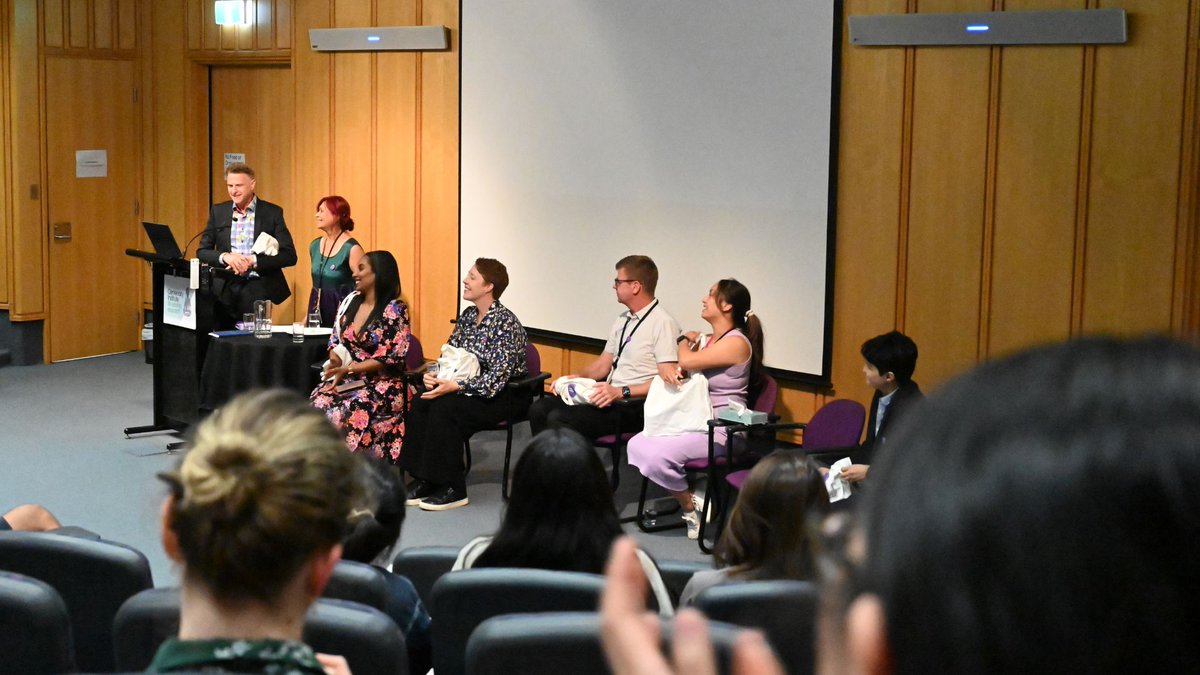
[(314, 319), (297, 332), (247, 321)]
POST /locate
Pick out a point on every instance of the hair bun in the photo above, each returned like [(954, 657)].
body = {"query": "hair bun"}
[(230, 474)]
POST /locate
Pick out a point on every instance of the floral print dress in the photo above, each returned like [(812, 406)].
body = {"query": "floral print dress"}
[(372, 417)]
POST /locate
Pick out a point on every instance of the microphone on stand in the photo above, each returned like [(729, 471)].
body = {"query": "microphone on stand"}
[(201, 232)]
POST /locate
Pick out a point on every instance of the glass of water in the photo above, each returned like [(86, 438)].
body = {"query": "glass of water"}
[(314, 319), (297, 332)]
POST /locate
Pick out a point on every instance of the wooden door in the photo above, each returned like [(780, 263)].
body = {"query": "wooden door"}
[(253, 114), (94, 302)]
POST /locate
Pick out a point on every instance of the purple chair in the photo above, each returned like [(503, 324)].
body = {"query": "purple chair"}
[(626, 427), (838, 424), (533, 386)]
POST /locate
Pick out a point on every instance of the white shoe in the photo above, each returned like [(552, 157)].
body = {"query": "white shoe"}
[(698, 504), (692, 518)]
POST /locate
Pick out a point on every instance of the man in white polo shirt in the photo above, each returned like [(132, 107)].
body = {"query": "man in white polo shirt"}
[(641, 344)]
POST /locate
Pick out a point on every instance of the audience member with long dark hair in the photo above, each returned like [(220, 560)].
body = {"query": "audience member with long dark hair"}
[(770, 532), (560, 515), (732, 361), (374, 332), (255, 518), (1038, 514), (373, 537)]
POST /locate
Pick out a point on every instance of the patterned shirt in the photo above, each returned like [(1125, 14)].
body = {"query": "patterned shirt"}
[(499, 344), (272, 657), (241, 234)]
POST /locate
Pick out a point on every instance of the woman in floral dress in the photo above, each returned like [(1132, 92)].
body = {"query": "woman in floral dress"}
[(374, 330)]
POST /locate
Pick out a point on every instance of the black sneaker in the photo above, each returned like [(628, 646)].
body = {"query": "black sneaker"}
[(445, 499), (417, 490)]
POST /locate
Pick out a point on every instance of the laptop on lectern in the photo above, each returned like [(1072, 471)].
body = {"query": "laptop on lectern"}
[(163, 240)]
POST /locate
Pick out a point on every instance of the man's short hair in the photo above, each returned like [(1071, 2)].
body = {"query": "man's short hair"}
[(892, 352), (642, 268), (495, 273), (239, 167)]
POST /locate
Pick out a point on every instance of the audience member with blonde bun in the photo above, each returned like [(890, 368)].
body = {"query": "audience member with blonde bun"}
[(254, 519)]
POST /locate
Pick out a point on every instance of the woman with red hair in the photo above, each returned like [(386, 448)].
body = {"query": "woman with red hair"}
[(335, 255)]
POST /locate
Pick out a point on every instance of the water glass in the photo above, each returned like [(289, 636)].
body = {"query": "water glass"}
[(314, 319), (262, 319), (297, 332), (247, 321)]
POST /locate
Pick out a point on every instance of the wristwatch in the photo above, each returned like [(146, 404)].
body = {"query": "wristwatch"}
[(681, 338), (624, 392)]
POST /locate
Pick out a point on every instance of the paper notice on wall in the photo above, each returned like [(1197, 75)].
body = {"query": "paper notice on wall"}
[(179, 302), (91, 163), (234, 158)]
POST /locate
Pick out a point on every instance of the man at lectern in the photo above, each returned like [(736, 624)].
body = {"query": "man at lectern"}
[(248, 237)]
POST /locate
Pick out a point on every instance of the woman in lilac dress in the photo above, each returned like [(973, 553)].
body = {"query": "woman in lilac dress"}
[(374, 330), (732, 361)]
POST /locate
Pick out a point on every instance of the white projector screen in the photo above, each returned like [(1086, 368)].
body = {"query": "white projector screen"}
[(697, 132)]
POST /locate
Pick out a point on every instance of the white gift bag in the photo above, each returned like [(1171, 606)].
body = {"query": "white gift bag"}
[(672, 411), (456, 363), (574, 390)]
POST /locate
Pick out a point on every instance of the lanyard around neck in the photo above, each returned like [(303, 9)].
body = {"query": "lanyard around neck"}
[(626, 340)]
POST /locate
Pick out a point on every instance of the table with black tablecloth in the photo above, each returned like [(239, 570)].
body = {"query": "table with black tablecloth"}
[(242, 362)]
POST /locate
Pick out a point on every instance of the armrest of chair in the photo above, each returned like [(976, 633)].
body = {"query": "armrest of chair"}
[(529, 381)]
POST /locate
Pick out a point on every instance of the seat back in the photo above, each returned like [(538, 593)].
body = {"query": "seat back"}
[(559, 642), (368, 638), (786, 612), (424, 565), (838, 424), (462, 600), (92, 577), (357, 582), (533, 360), (677, 573), (414, 358), (35, 630), (766, 395)]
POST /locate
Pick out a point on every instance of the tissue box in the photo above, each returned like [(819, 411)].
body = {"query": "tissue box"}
[(746, 416)]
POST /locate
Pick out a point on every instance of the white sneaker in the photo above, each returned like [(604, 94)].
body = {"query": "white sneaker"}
[(698, 504), (692, 518)]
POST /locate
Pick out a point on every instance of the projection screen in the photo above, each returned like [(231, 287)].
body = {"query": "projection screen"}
[(698, 132)]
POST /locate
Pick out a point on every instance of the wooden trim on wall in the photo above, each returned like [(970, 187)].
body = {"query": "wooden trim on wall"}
[(1186, 295)]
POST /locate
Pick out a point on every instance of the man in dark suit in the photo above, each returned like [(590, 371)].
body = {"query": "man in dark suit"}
[(888, 364), (233, 228)]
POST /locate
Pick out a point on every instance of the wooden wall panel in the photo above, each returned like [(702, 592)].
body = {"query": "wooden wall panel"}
[(438, 178), (264, 37), (353, 150), (5, 170), (127, 12), (28, 257), (1037, 169), (871, 133), (53, 23), (103, 24), (396, 124), (77, 24), (1134, 180), (946, 201), (312, 176)]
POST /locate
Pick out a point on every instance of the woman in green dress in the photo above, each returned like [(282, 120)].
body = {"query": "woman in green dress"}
[(335, 255)]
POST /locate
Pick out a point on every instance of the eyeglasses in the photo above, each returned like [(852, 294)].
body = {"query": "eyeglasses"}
[(618, 282)]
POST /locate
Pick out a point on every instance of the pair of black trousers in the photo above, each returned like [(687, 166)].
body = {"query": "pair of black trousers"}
[(436, 429), (550, 412)]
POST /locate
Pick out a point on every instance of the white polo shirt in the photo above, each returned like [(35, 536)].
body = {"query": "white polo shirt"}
[(649, 338)]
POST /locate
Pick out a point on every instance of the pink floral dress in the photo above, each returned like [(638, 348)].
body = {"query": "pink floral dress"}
[(372, 417)]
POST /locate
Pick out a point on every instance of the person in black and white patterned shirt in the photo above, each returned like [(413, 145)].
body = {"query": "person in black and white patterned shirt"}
[(451, 410)]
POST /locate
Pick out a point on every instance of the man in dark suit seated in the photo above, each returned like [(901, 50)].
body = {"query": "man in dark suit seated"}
[(888, 364), (227, 242)]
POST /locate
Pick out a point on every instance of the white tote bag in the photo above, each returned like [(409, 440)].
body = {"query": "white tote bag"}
[(456, 363), (672, 411), (574, 390)]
